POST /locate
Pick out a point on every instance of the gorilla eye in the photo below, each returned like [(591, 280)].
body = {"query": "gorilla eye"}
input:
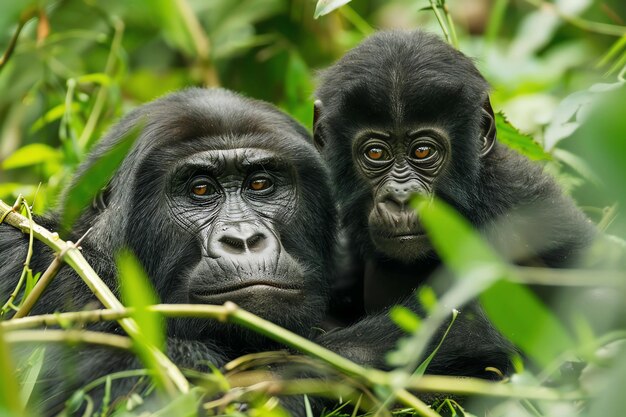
[(422, 152), (260, 184), (201, 188), (376, 153)]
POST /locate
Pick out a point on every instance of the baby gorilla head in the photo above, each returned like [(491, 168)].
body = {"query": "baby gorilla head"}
[(223, 198), (402, 114)]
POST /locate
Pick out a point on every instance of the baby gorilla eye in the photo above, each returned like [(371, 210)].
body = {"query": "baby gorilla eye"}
[(376, 153), (260, 184), (423, 152)]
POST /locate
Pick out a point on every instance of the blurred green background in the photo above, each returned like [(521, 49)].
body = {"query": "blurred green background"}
[(70, 68), (77, 65)]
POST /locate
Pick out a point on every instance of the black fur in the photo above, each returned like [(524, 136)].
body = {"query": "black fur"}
[(146, 210)]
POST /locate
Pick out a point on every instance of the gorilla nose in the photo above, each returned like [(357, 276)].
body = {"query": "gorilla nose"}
[(240, 239), (396, 195)]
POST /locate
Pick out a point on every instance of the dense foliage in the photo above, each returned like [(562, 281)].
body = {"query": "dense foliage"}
[(71, 68)]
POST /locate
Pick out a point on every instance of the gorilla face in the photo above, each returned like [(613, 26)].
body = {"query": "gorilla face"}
[(233, 201), (224, 199), (398, 166), (393, 121)]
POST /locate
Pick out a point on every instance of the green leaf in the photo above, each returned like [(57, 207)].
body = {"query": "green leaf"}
[(512, 308), (324, 7), (427, 298), (184, 405), (75, 401), (29, 155), (307, 407), (514, 139), (10, 403), (298, 90), (96, 177), (421, 369), (406, 319), (31, 280), (467, 251), (28, 378), (524, 319), (53, 114), (137, 292)]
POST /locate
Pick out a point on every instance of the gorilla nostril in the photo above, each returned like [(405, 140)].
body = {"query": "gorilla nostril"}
[(256, 242), (232, 244)]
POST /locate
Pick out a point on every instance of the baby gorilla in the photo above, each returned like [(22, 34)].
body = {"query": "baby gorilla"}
[(217, 200), (404, 113)]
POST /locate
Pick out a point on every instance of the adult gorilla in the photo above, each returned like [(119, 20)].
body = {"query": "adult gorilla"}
[(221, 198), (404, 113)]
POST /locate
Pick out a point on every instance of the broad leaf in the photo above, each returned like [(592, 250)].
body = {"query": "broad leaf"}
[(29, 155), (137, 292), (512, 308), (518, 141), (96, 177)]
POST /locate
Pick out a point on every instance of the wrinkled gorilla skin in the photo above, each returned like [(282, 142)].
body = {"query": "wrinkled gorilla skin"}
[(404, 113), (221, 198)]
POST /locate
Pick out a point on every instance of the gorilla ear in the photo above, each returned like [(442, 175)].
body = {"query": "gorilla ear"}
[(488, 128), (318, 138)]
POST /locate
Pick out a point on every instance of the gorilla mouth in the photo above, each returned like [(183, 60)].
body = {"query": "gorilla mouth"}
[(242, 292), (409, 235), (243, 285)]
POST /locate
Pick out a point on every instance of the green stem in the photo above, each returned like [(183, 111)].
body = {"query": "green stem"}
[(453, 37), (39, 288), (495, 20), (9, 304), (85, 137), (26, 16), (357, 21), (444, 28), (69, 336)]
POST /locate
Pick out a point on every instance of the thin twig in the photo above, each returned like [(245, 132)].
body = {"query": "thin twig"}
[(98, 106), (43, 282), (26, 16), (39, 288), (475, 386), (201, 43), (453, 37), (29, 254), (441, 20), (69, 336)]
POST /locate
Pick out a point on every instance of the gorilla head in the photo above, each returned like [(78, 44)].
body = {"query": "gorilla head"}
[(403, 113), (222, 198)]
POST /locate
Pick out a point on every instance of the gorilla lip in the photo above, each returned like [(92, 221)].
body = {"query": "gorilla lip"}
[(244, 285)]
